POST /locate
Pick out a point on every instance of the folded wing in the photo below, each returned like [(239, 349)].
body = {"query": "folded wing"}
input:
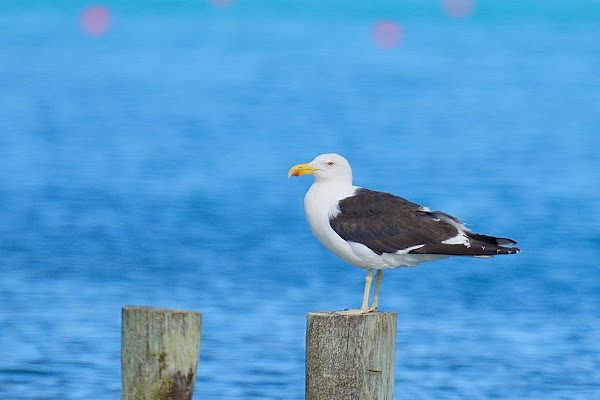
[(389, 224)]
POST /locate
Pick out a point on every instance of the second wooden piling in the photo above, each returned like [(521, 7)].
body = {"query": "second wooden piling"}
[(159, 353), (350, 356)]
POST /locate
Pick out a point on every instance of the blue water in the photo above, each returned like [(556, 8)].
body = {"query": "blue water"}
[(148, 166)]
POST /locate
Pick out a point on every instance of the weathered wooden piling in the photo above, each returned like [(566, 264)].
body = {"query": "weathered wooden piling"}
[(159, 353), (350, 356)]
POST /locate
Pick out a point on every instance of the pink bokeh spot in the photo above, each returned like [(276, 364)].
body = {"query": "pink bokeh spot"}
[(458, 8), (95, 20), (221, 3), (387, 34)]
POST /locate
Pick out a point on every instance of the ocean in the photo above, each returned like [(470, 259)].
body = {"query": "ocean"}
[(144, 148)]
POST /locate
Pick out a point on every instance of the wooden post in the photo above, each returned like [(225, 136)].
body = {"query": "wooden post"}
[(159, 353), (350, 356)]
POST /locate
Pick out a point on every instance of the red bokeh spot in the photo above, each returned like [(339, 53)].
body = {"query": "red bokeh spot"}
[(387, 34), (458, 8), (95, 20)]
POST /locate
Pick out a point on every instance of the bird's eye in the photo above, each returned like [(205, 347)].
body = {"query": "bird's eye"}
[(330, 163)]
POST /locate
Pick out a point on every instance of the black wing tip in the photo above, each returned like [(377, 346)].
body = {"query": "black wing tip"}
[(505, 242), (508, 250), (475, 250), (493, 240)]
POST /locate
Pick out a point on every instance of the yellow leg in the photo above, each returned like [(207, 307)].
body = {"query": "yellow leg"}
[(378, 277), (368, 279), (365, 304)]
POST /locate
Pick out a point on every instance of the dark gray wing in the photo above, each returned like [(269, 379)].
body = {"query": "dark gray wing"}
[(386, 224)]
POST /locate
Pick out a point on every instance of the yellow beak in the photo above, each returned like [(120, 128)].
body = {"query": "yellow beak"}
[(300, 169)]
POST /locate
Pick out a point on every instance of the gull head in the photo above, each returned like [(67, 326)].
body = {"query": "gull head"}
[(326, 167)]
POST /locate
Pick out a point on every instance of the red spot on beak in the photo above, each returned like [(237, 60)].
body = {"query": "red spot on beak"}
[(295, 173)]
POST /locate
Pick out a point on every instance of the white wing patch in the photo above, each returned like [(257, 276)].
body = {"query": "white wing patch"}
[(461, 237), (409, 249), (369, 259), (458, 239)]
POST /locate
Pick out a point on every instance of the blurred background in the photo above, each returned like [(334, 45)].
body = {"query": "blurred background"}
[(144, 147)]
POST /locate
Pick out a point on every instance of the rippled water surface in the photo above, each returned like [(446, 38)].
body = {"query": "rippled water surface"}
[(147, 165)]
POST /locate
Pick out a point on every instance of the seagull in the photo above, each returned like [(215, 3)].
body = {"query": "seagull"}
[(377, 230)]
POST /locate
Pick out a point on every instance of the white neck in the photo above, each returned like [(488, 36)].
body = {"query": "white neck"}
[(323, 196), (321, 204)]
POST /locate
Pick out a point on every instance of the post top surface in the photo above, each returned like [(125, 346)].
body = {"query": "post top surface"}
[(162, 310), (334, 314)]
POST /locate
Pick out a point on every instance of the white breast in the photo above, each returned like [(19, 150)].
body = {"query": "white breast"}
[(321, 204)]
